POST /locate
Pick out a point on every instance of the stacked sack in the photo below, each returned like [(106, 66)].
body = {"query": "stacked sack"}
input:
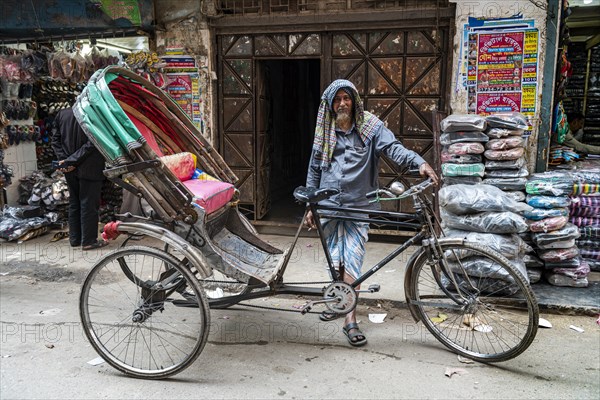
[(485, 214), (552, 234), (463, 145), (504, 155), (584, 212)]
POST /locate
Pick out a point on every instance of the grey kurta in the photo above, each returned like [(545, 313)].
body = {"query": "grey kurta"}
[(354, 166)]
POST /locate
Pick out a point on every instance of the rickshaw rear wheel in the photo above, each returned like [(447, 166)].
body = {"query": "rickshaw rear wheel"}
[(153, 326)]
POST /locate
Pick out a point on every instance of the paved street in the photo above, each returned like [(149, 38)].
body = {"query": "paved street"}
[(255, 353)]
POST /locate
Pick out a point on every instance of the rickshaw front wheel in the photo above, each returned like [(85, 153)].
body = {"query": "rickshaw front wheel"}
[(153, 326)]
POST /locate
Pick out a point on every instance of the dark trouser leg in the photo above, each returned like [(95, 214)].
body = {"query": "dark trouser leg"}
[(90, 202), (74, 210)]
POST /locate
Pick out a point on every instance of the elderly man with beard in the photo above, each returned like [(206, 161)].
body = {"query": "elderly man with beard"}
[(348, 144)]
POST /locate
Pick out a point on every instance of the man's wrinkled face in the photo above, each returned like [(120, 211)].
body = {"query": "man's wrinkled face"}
[(342, 105)]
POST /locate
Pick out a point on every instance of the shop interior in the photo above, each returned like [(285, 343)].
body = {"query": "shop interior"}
[(583, 53)]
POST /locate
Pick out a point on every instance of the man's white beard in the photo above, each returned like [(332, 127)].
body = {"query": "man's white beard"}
[(343, 118)]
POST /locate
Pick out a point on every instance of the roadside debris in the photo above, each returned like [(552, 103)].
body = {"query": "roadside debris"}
[(576, 328), (455, 371), (377, 318), (544, 323), (465, 360), (96, 361)]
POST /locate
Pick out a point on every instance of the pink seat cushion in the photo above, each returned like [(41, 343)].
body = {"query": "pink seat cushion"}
[(210, 195)]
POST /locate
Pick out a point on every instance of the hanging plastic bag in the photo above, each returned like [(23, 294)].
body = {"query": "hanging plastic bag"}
[(507, 183), (469, 199), (508, 164), (512, 120), (461, 137), (461, 159), (548, 201), (464, 148), (561, 126), (507, 173), (463, 122), (548, 224), (462, 169), (497, 133), (505, 144), (487, 222), (537, 214)]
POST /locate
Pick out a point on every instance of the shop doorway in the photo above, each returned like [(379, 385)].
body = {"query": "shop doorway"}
[(289, 101)]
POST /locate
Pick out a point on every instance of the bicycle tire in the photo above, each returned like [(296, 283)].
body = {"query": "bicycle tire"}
[(482, 326), (172, 323)]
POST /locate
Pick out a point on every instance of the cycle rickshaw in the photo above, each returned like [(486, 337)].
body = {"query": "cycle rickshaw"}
[(146, 309)]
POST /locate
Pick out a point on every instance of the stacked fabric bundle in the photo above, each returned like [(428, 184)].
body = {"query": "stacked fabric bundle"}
[(552, 233), (463, 145), (485, 214), (584, 211), (504, 156)]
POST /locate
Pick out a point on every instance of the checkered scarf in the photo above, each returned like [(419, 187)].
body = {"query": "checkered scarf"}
[(325, 137)]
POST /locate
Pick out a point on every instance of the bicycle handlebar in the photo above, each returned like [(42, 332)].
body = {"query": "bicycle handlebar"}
[(413, 190)]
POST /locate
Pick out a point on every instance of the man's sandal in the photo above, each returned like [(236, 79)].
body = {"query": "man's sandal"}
[(355, 337), (96, 245), (327, 316)]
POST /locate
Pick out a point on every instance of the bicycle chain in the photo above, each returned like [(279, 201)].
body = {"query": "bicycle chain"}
[(275, 308), (287, 283)]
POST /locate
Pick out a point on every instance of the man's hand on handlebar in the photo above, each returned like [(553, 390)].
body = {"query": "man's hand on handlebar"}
[(309, 221), (426, 171)]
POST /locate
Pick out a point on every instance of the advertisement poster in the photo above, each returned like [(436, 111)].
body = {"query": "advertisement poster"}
[(491, 103), (499, 62), (502, 72), (183, 85)]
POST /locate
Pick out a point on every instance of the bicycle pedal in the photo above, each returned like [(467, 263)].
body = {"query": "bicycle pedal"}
[(374, 288)]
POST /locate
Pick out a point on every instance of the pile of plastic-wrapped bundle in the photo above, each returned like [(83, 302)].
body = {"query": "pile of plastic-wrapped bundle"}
[(485, 214), (504, 155), (485, 210), (463, 142), (551, 232), (584, 212)]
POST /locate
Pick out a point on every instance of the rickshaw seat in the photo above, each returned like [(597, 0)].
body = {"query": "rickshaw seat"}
[(209, 193)]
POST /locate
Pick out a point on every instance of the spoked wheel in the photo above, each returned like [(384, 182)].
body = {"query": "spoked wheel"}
[(481, 307), (144, 313)]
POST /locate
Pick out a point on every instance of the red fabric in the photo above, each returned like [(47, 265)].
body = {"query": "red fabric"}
[(146, 133), (111, 230)]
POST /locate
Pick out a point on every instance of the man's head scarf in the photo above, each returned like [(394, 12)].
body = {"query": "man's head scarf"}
[(325, 137)]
